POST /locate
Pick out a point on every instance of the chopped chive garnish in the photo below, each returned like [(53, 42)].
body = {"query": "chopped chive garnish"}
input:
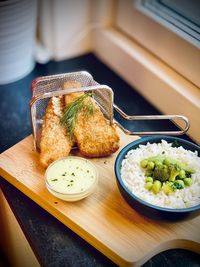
[(53, 180)]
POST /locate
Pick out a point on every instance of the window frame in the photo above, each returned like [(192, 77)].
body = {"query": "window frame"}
[(160, 84), (159, 40)]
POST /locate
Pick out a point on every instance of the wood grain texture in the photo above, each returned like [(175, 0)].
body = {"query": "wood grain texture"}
[(103, 219), (13, 241)]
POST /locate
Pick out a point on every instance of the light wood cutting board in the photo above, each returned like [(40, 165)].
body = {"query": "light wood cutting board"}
[(103, 219)]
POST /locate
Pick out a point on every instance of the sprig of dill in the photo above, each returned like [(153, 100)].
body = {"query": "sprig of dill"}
[(72, 110)]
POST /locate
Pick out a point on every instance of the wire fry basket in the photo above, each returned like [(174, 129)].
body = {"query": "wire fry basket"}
[(43, 88)]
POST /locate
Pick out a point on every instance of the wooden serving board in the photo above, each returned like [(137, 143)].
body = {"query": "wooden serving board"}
[(103, 219)]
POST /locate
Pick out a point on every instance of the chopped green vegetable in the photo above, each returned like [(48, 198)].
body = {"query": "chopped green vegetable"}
[(161, 173), (143, 163), (179, 184), (182, 174), (150, 165), (179, 164), (166, 174), (187, 181), (148, 185), (156, 187), (174, 171), (149, 179), (175, 143), (167, 188), (188, 174), (149, 173), (158, 158)]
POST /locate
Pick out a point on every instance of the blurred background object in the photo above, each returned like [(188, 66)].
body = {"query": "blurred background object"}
[(64, 29), (17, 38)]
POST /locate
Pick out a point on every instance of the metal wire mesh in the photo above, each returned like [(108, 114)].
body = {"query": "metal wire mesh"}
[(44, 88)]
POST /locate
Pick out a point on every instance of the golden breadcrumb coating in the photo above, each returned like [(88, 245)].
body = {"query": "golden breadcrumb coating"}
[(54, 140), (73, 96), (93, 134)]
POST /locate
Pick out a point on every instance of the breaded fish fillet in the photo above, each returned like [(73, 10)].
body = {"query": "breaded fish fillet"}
[(54, 140), (73, 96), (94, 136)]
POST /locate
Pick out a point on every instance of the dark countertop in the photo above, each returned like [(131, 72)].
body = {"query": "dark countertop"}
[(55, 244)]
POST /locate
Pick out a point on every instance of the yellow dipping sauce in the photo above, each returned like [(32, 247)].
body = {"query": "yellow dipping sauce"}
[(71, 175)]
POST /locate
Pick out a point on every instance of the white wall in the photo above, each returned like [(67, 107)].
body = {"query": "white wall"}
[(64, 27)]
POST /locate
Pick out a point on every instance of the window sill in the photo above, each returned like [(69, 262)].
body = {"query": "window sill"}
[(170, 92)]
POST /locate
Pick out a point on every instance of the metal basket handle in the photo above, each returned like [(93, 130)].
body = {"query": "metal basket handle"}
[(152, 117)]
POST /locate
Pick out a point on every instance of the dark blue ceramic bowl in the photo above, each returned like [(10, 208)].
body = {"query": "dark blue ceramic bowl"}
[(141, 206)]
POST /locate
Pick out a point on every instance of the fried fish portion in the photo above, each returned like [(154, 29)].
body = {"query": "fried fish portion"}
[(73, 96), (94, 136), (54, 140)]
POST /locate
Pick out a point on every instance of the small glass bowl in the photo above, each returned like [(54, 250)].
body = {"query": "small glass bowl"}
[(72, 196)]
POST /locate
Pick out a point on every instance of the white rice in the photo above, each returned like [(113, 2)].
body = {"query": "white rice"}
[(133, 175)]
